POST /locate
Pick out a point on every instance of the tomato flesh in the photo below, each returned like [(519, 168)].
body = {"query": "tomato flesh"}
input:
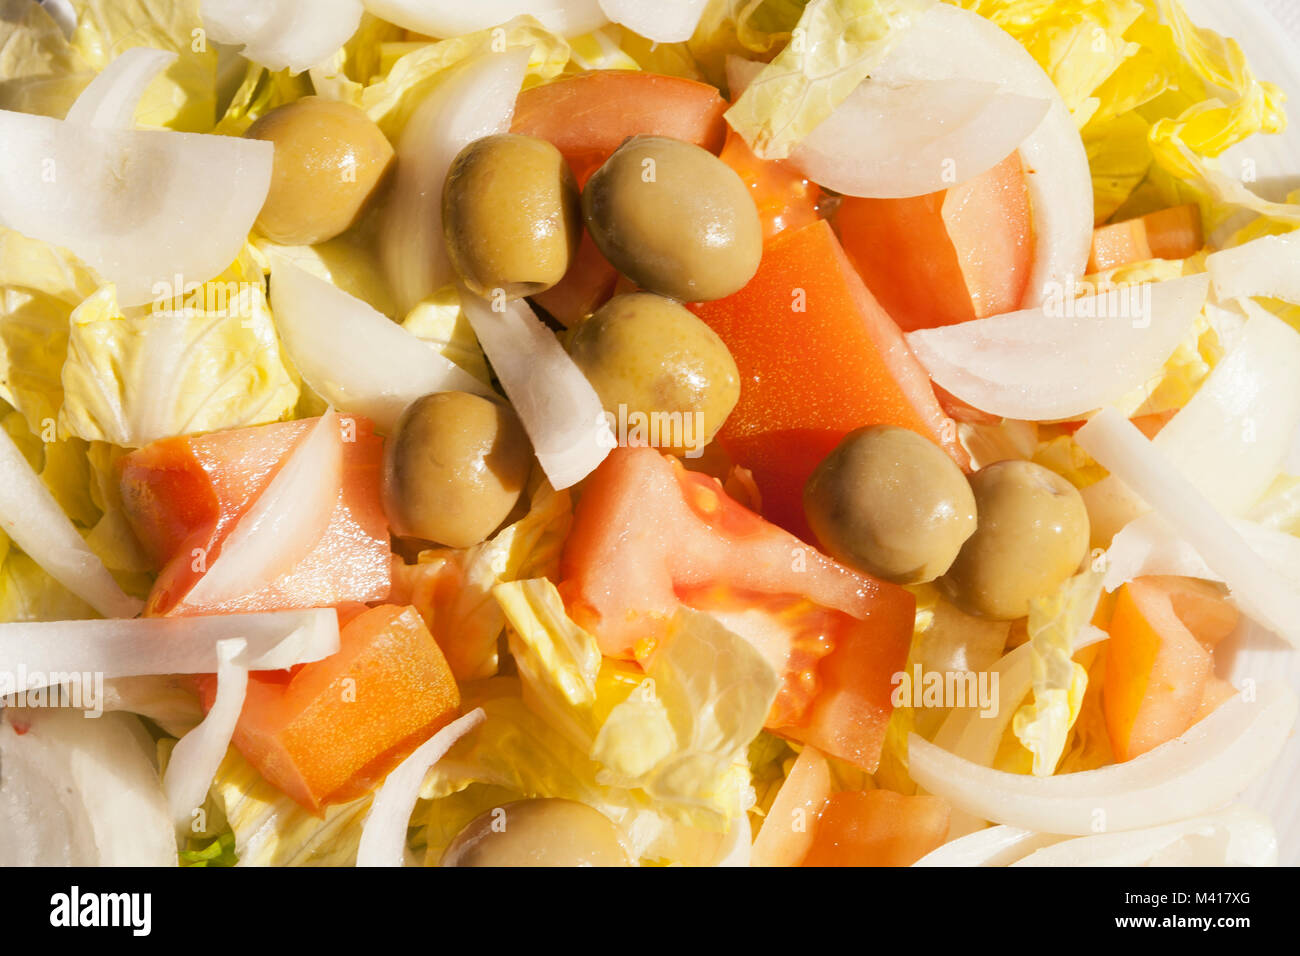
[(649, 536), (183, 496), (877, 828), (818, 357)]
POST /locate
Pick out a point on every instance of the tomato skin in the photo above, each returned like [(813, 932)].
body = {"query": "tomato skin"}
[(649, 536), (329, 731), (877, 828), (818, 357), (588, 115), (184, 495), (945, 257)]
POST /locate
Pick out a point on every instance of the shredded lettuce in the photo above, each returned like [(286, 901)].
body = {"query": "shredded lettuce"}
[(42, 72), (833, 48), (1042, 725), (132, 379)]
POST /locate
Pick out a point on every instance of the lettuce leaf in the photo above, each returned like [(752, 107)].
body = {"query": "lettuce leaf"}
[(1043, 724), (28, 593), (833, 49), (132, 379), (42, 72), (752, 29)]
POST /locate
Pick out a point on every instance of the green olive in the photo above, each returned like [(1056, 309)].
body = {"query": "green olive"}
[(890, 502), (510, 215), (540, 832), (454, 467), (674, 219), (652, 362), (1032, 535), (329, 159)]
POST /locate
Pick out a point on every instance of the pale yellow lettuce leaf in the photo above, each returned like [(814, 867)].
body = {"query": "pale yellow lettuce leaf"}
[(40, 72)]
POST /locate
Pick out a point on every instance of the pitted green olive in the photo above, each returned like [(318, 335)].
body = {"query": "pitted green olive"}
[(1032, 535), (890, 502), (510, 215), (329, 158), (540, 832), (674, 219), (454, 467), (651, 360)]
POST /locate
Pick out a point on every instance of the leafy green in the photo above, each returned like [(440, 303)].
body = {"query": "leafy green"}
[(833, 48), (132, 379), (42, 72), (1043, 724)]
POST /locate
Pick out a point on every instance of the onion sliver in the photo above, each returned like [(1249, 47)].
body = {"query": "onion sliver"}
[(452, 18), (33, 519), (664, 21), (1260, 590), (1235, 434), (140, 207), (737, 844), (1268, 266), (1149, 546), (949, 43), (992, 846), (1233, 837), (559, 409), (1064, 359), (81, 792), (280, 34), (353, 356), (288, 517), (477, 99), (198, 754), (890, 142), (1190, 775), (383, 834), (39, 652), (110, 100)]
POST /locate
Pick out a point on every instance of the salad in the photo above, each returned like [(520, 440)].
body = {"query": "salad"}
[(596, 432)]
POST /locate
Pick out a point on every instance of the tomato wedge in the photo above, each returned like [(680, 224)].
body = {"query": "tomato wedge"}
[(649, 536), (182, 496), (1173, 233), (785, 199), (951, 256), (818, 357), (588, 115), (328, 731), (878, 828), (1159, 676)]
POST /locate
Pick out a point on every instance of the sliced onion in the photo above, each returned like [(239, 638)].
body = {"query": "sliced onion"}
[(287, 518), (452, 18), (737, 844), (476, 100), (1260, 590), (664, 21), (1268, 266), (199, 753), (33, 519), (1061, 360), (110, 100), (949, 43), (1149, 546), (559, 409), (353, 356), (280, 34), (139, 206), (1233, 837), (1236, 433), (81, 792), (992, 846), (890, 140), (383, 834), (1191, 775), (163, 645)]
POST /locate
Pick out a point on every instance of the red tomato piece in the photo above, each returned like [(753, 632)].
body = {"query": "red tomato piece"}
[(818, 357), (185, 495), (328, 731), (649, 536), (947, 257), (878, 828), (785, 199)]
